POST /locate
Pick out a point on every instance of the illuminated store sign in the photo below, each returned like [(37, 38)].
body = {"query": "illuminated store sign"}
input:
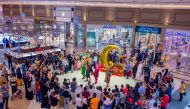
[(173, 32), (145, 29), (109, 26)]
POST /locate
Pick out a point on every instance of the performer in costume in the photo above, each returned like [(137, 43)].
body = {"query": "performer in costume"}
[(108, 77), (83, 70), (96, 74)]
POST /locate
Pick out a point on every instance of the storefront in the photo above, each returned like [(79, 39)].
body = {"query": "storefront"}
[(14, 31), (63, 18), (177, 41), (147, 37), (106, 34)]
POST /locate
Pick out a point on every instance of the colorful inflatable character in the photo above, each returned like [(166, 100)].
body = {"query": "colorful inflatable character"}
[(105, 54), (116, 68)]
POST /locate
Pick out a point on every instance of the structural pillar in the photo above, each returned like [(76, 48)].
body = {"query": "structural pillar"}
[(162, 35), (84, 35), (133, 38), (84, 25)]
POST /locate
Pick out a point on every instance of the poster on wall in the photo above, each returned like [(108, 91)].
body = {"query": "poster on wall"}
[(91, 39)]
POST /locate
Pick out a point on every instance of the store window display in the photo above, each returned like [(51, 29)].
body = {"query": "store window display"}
[(80, 35), (109, 34), (8, 40), (147, 37), (177, 41)]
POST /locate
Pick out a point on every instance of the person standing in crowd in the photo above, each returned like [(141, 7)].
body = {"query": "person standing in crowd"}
[(141, 90), (44, 89), (127, 69), (9, 58), (88, 71), (13, 83), (134, 69), (5, 92), (96, 74), (164, 101), (139, 71), (70, 61), (139, 44), (107, 102), (86, 93), (66, 64), (38, 91), (178, 61), (94, 102), (67, 97), (30, 88), (79, 101), (108, 77), (182, 91), (73, 88), (54, 98), (1, 98)]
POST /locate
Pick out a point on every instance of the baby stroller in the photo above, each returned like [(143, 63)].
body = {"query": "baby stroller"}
[(17, 94)]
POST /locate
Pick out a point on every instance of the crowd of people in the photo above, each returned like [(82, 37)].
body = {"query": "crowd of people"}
[(40, 78)]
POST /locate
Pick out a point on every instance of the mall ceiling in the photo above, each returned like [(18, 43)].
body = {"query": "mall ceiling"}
[(166, 4)]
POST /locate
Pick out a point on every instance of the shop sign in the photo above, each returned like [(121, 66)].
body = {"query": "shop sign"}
[(28, 20), (145, 29), (63, 19), (109, 26), (172, 32)]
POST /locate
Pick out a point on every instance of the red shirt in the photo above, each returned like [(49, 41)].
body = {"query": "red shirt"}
[(125, 90), (130, 100), (37, 85), (86, 94), (139, 103), (165, 101)]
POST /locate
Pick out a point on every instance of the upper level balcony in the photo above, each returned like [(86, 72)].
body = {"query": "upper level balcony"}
[(167, 4)]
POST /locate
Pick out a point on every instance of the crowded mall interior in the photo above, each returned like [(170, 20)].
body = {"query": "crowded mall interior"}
[(94, 54)]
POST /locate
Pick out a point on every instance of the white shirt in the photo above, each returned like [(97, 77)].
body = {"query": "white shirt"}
[(79, 102), (151, 103), (78, 90), (65, 62), (91, 92), (98, 93)]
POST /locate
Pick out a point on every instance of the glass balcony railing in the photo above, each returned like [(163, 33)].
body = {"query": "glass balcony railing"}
[(118, 1)]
